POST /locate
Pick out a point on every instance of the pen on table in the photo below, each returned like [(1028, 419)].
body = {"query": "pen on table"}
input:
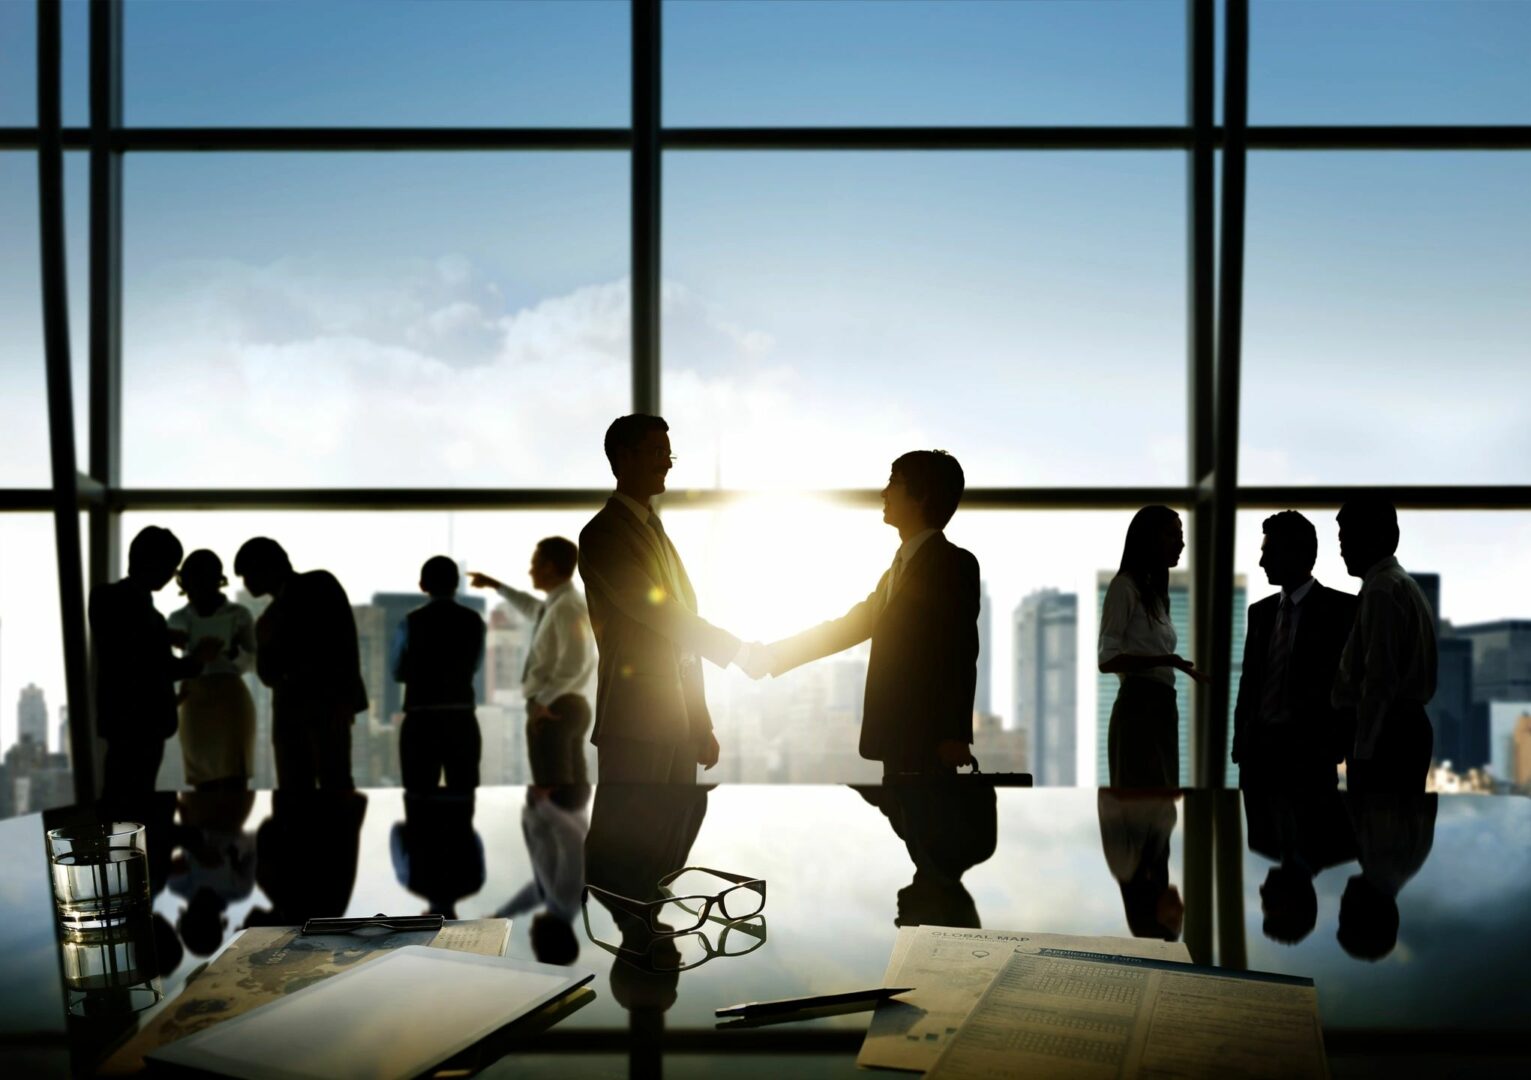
[(752, 1009)]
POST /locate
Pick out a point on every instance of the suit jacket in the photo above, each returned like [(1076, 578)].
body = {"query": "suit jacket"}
[(923, 669), (136, 672), (307, 649), (648, 635), (443, 645), (1321, 732)]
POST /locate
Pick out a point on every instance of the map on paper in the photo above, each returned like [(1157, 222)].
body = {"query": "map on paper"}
[(267, 962)]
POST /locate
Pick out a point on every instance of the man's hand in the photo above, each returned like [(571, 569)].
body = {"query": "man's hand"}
[(542, 712), (954, 753), (483, 581), (755, 659), (707, 751)]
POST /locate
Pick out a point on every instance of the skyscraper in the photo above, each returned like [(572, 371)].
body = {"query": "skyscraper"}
[(1180, 617), (1046, 679), (983, 696), (1501, 659), (32, 716)]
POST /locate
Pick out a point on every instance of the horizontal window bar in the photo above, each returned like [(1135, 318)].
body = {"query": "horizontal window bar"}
[(1432, 497), (1344, 137)]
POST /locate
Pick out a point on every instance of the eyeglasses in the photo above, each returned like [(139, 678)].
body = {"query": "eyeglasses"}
[(680, 914), (661, 953)]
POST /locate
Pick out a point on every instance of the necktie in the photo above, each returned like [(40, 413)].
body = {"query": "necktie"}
[(894, 573), (1273, 700)]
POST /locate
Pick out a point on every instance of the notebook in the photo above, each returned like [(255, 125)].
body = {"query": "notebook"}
[(396, 1016)]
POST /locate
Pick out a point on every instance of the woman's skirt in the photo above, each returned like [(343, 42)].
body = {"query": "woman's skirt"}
[(217, 728), (1143, 743)]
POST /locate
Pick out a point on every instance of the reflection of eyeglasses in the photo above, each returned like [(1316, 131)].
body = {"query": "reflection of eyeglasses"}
[(681, 952), (680, 914)]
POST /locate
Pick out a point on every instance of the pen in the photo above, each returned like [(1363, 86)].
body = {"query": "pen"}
[(750, 1009)]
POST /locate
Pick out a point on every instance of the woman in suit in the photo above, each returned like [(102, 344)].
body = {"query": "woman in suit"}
[(1137, 645)]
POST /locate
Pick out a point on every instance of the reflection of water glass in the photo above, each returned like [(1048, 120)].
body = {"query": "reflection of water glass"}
[(101, 893)]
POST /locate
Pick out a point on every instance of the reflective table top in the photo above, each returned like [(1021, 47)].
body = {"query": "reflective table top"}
[(1409, 913)]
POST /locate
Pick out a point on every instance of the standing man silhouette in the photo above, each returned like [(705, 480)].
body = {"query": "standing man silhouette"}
[(1387, 672), (559, 662), (651, 719), (437, 649), (923, 621), (136, 672), (1287, 734), (307, 652)]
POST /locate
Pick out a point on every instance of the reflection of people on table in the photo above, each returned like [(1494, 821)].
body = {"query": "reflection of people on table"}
[(638, 834), (1303, 832), (1135, 834), (305, 855), (554, 822), (436, 853), (947, 828), (1394, 834), (215, 866), (217, 712)]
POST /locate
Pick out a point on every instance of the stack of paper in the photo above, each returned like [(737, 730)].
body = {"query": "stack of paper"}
[(951, 968)]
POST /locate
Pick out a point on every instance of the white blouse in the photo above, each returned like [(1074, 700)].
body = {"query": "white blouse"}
[(1126, 628), (231, 624)]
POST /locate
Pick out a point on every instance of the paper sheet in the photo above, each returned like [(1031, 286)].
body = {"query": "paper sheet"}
[(1063, 1013), (263, 963), (950, 968)]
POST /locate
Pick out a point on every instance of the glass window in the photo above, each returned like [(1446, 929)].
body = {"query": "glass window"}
[(1390, 62), (897, 63), (35, 773), (398, 320), (1386, 337), (348, 62), (1024, 311), (18, 63)]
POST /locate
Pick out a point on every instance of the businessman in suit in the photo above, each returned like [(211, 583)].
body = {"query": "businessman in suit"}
[(1287, 734), (922, 619), (651, 719), (307, 652), (136, 672)]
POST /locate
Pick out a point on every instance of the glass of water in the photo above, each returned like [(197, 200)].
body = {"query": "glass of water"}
[(101, 892)]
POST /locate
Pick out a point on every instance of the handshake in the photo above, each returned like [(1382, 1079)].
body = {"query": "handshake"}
[(757, 660)]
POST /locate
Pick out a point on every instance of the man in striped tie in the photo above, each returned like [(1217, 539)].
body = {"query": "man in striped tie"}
[(1287, 735)]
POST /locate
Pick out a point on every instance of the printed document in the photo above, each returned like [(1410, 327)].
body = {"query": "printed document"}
[(950, 968), (1065, 1013)]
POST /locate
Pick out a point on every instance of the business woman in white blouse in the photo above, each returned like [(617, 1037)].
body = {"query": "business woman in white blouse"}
[(217, 712), (1137, 645)]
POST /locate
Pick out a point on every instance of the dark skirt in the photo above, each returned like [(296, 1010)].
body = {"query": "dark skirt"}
[(1143, 744)]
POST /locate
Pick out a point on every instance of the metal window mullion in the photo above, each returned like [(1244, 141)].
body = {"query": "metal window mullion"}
[(105, 284), (645, 194), (1209, 766), (55, 314)]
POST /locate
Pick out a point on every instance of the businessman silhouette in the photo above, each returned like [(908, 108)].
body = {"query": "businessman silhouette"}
[(1287, 734), (651, 719), (923, 621)]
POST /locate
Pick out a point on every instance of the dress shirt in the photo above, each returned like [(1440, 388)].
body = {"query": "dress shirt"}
[(232, 624), (1390, 656), (561, 656), (1126, 628), (1294, 600), (903, 557), (555, 839)]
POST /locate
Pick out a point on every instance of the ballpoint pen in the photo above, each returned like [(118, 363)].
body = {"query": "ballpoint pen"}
[(750, 1010)]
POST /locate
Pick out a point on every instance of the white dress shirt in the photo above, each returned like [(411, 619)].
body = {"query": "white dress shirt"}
[(231, 624), (1390, 655), (1127, 629), (561, 657)]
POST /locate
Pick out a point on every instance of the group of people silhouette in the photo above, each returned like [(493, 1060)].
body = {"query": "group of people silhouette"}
[(1328, 676)]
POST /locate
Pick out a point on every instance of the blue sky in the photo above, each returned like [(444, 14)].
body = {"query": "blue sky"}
[(822, 311)]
